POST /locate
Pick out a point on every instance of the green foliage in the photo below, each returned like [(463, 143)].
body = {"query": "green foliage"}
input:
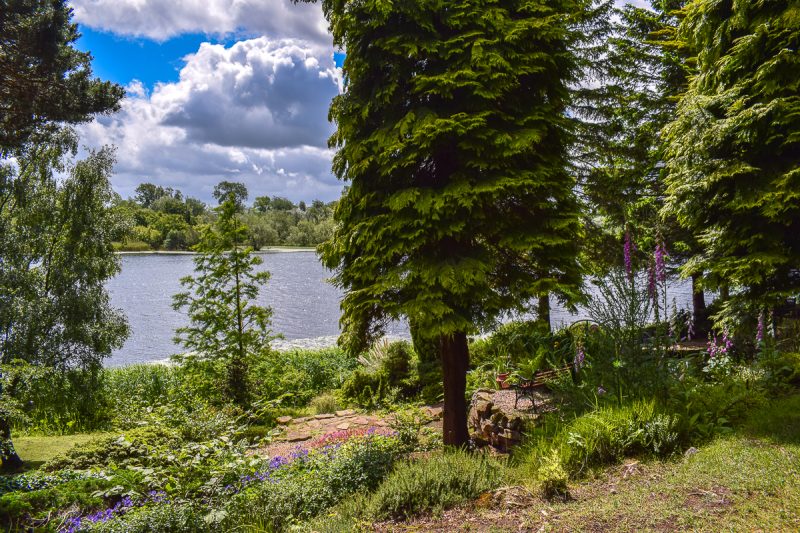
[(56, 234), (389, 372), (327, 402), (181, 518), (231, 191), (712, 407), (520, 342), (295, 376), (474, 213), (732, 151), (46, 80), (433, 484), (602, 436), (781, 367), (18, 509), (227, 325), (133, 448), (310, 485), (166, 219), (552, 477)]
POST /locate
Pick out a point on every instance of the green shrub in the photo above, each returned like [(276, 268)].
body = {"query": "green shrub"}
[(161, 518), (365, 389), (134, 447), (20, 510), (325, 403), (309, 485), (601, 437), (389, 372), (296, 376), (707, 408), (781, 368), (433, 484), (552, 477)]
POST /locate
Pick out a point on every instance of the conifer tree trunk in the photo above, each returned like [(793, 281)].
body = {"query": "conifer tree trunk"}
[(455, 362), (543, 310), (698, 304)]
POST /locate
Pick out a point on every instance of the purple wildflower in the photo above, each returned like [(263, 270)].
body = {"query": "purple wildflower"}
[(601, 390), (627, 249), (760, 330), (277, 462)]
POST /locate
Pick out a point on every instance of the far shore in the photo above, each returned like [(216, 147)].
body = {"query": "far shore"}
[(265, 250)]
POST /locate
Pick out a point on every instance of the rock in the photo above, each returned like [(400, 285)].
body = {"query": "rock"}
[(484, 407), (343, 426), (435, 412), (283, 419), (515, 423), (362, 421), (297, 437), (690, 452), (324, 416), (346, 412)]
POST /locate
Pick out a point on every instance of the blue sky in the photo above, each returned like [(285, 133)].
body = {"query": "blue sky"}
[(122, 59)]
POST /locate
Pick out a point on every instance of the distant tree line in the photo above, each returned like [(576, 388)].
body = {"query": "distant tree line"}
[(163, 218)]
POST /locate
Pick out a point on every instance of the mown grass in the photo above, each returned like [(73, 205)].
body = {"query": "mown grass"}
[(36, 450)]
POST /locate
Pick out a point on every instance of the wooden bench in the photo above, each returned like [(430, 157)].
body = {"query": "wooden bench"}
[(527, 387)]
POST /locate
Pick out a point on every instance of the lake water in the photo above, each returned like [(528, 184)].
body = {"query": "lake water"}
[(305, 307)]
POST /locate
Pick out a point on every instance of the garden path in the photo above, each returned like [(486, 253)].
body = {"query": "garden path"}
[(302, 431)]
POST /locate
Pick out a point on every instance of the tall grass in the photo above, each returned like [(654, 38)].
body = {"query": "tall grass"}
[(598, 438)]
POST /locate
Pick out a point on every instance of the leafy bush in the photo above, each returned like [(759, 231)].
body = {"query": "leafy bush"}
[(296, 376), (601, 437), (177, 518), (18, 510), (134, 448), (389, 372), (288, 490), (707, 408), (781, 367), (325, 403), (433, 484), (552, 477)]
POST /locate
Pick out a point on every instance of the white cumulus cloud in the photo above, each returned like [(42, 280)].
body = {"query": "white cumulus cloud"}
[(255, 112), (163, 19)]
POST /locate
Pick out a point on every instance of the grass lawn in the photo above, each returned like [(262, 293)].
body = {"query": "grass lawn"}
[(37, 450), (748, 480)]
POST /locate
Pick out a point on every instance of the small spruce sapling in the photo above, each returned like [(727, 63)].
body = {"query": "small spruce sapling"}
[(226, 324)]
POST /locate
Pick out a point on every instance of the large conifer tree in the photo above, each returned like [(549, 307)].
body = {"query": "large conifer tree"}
[(734, 148), (452, 135)]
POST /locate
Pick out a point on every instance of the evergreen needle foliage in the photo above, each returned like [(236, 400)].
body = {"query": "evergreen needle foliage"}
[(227, 326), (734, 148), (452, 135)]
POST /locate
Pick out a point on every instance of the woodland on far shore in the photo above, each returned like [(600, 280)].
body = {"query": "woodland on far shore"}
[(163, 218)]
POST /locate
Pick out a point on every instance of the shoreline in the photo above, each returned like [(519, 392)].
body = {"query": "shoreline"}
[(278, 345), (265, 250)]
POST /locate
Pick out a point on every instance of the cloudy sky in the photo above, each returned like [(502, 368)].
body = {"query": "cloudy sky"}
[(217, 90)]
